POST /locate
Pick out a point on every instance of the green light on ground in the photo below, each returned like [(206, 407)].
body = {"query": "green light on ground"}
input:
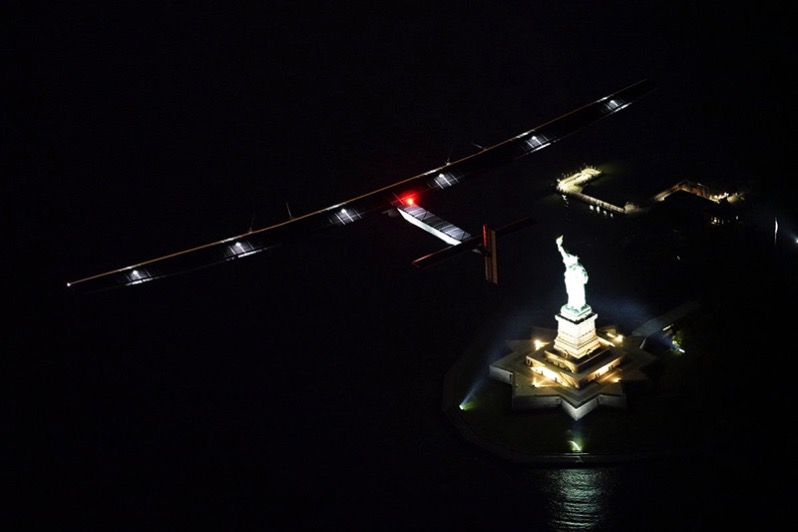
[(575, 447)]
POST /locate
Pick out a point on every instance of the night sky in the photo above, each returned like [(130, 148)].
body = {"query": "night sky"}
[(135, 129)]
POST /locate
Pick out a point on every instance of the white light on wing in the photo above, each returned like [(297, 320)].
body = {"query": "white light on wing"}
[(137, 276), (241, 248), (537, 141), (443, 180), (345, 216)]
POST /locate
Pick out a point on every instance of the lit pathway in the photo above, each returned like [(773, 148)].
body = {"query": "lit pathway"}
[(574, 184)]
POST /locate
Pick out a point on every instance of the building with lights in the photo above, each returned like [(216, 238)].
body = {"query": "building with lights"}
[(577, 366)]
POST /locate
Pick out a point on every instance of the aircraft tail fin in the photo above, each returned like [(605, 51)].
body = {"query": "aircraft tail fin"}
[(485, 246)]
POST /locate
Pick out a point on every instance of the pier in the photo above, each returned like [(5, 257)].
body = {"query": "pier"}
[(699, 190), (574, 184)]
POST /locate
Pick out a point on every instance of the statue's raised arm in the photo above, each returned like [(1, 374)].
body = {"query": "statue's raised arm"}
[(559, 246)]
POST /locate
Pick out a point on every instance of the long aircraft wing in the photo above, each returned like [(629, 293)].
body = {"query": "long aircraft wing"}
[(246, 244)]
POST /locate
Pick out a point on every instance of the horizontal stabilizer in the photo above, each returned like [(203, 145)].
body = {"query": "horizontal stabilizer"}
[(436, 257), (479, 245)]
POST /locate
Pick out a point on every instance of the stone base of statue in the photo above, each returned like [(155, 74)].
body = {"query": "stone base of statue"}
[(576, 333), (543, 375)]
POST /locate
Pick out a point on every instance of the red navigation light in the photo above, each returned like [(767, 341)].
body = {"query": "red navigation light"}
[(408, 199)]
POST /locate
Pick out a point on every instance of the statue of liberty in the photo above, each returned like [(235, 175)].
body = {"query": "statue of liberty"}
[(575, 278)]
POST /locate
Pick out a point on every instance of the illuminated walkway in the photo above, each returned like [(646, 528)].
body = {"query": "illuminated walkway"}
[(699, 190), (574, 185)]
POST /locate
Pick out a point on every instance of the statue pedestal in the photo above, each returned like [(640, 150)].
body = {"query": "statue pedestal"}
[(576, 332)]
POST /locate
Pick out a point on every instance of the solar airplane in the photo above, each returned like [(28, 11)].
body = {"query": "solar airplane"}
[(402, 197)]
